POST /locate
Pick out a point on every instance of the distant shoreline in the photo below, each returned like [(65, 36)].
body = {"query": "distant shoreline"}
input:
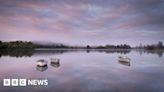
[(85, 49), (31, 52), (57, 46)]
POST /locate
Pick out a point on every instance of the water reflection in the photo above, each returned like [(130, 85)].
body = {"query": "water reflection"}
[(17, 52), (41, 69), (56, 65), (79, 71), (124, 63), (158, 52), (51, 51), (29, 52), (119, 51)]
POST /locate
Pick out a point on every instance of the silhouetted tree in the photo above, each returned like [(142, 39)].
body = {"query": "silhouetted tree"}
[(159, 45), (88, 47)]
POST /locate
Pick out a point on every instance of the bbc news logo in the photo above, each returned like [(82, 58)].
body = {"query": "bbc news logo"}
[(24, 82)]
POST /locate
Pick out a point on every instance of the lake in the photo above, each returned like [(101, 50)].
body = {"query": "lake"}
[(85, 70)]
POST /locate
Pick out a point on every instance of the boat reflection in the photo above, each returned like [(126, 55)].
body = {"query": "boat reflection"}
[(41, 69), (124, 63), (55, 65)]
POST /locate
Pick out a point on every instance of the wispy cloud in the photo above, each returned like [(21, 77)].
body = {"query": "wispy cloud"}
[(83, 21)]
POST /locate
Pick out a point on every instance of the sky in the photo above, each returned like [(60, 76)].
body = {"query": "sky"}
[(82, 22)]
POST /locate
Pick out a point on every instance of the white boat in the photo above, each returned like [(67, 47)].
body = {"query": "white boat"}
[(123, 59), (55, 61), (42, 63)]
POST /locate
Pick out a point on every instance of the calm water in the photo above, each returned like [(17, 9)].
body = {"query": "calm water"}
[(85, 71)]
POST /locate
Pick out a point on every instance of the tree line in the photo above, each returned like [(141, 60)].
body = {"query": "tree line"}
[(16, 45), (122, 46), (157, 46), (32, 45)]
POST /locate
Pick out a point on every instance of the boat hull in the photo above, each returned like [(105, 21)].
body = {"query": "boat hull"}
[(124, 60), (41, 63)]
